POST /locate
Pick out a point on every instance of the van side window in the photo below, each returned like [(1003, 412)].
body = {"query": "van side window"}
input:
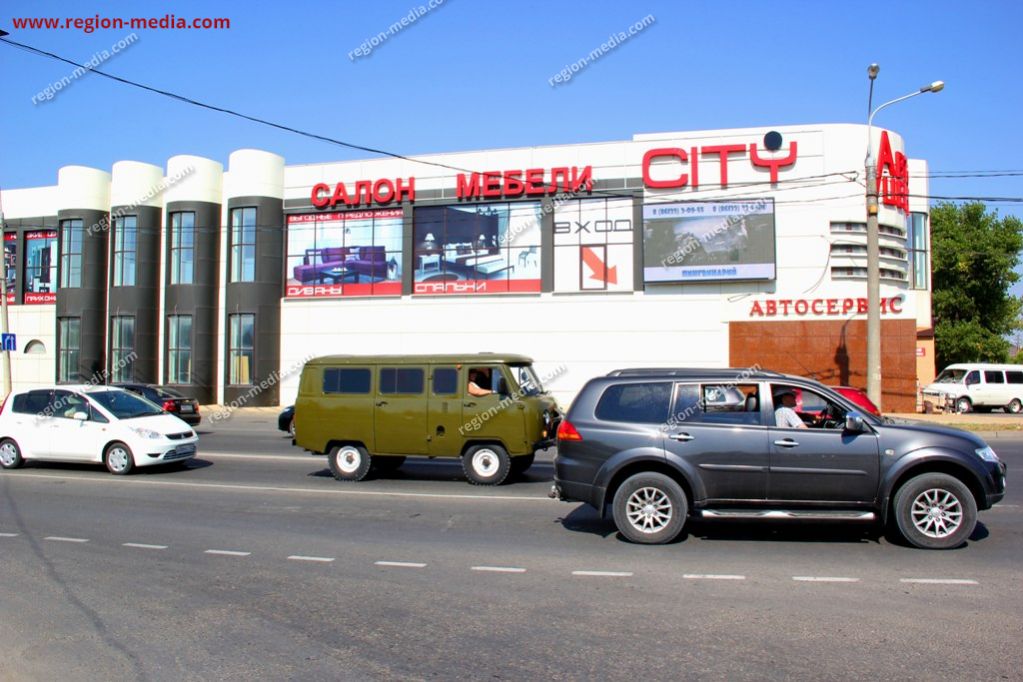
[(993, 377), (972, 378), (445, 381), (406, 380), (343, 380), (1014, 377), (639, 403)]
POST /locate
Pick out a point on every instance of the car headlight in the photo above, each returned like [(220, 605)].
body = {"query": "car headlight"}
[(146, 433), (987, 454)]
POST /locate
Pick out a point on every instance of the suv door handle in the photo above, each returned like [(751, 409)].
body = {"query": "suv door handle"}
[(786, 443), (681, 437)]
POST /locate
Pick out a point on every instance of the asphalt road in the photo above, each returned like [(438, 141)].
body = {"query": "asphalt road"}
[(254, 562)]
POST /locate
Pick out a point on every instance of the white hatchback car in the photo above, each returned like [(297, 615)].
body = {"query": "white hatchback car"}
[(91, 424)]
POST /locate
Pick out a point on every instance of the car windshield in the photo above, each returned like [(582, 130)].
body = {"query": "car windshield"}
[(951, 376), (125, 405), (527, 380)]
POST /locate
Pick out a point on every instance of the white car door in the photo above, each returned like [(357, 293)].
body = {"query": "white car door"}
[(29, 423), (76, 440)]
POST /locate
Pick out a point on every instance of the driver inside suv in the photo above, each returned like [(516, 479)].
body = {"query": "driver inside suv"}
[(799, 408)]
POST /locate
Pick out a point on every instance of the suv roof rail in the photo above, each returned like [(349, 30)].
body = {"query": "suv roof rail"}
[(692, 371)]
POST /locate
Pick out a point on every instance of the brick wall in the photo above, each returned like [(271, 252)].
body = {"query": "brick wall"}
[(834, 352)]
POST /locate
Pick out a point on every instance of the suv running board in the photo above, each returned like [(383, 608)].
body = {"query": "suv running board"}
[(807, 514)]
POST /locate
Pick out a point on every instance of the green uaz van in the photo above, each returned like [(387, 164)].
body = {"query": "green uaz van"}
[(372, 411)]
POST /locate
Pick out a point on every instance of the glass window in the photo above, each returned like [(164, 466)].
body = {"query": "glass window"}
[(241, 352), (125, 245), (243, 245), (1014, 377), (993, 377), (124, 404), (71, 233), (122, 348), (645, 403), (337, 380), (68, 348), (33, 402), (972, 378), (179, 349), (916, 244), (405, 380), (445, 381), (182, 248), (65, 404)]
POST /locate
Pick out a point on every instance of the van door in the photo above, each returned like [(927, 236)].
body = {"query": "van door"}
[(399, 417), (445, 429), (494, 416), (994, 393)]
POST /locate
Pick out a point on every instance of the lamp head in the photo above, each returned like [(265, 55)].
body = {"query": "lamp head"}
[(873, 70), (936, 86)]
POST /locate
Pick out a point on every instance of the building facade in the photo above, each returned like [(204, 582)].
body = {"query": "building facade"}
[(742, 248)]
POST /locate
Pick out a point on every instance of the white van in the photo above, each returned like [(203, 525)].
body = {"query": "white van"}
[(977, 386)]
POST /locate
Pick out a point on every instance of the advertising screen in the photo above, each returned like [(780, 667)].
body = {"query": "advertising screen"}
[(355, 253), (709, 241), (477, 249), (40, 266)]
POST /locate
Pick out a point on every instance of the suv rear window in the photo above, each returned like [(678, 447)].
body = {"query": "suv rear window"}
[(645, 403), (338, 380)]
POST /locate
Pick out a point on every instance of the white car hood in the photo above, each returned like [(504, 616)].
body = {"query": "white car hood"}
[(161, 423)]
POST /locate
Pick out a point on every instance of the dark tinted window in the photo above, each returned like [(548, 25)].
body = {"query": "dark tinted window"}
[(993, 377), (972, 378), (33, 402), (640, 403), (401, 380), (445, 381), (1014, 377), (338, 380)]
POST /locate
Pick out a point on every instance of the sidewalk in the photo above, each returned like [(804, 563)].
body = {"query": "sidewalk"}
[(986, 423)]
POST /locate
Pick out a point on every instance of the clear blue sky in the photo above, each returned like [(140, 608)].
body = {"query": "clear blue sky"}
[(474, 74)]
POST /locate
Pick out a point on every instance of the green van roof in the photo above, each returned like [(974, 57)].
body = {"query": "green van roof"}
[(469, 359)]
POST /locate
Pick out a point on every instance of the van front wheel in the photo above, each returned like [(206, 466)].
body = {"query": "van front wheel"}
[(486, 464), (349, 462)]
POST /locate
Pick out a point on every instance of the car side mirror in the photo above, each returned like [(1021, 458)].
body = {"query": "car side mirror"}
[(854, 423), (502, 386), (81, 416)]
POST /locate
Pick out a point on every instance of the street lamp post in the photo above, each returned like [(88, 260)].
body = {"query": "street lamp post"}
[(873, 244)]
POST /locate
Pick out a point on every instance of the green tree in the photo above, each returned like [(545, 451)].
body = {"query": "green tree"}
[(974, 255)]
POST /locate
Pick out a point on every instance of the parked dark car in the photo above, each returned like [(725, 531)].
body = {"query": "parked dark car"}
[(286, 420), (170, 400), (650, 445)]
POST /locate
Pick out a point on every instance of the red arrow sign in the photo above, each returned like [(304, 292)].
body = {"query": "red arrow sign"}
[(600, 271)]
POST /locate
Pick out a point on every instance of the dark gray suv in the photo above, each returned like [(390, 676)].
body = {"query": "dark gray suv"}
[(660, 445)]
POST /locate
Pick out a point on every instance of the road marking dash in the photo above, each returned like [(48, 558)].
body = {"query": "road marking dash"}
[(58, 538), (8, 535), (321, 559), (400, 564), (604, 574), (712, 576), (142, 546), (823, 579), (938, 581), (226, 552), (499, 569)]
